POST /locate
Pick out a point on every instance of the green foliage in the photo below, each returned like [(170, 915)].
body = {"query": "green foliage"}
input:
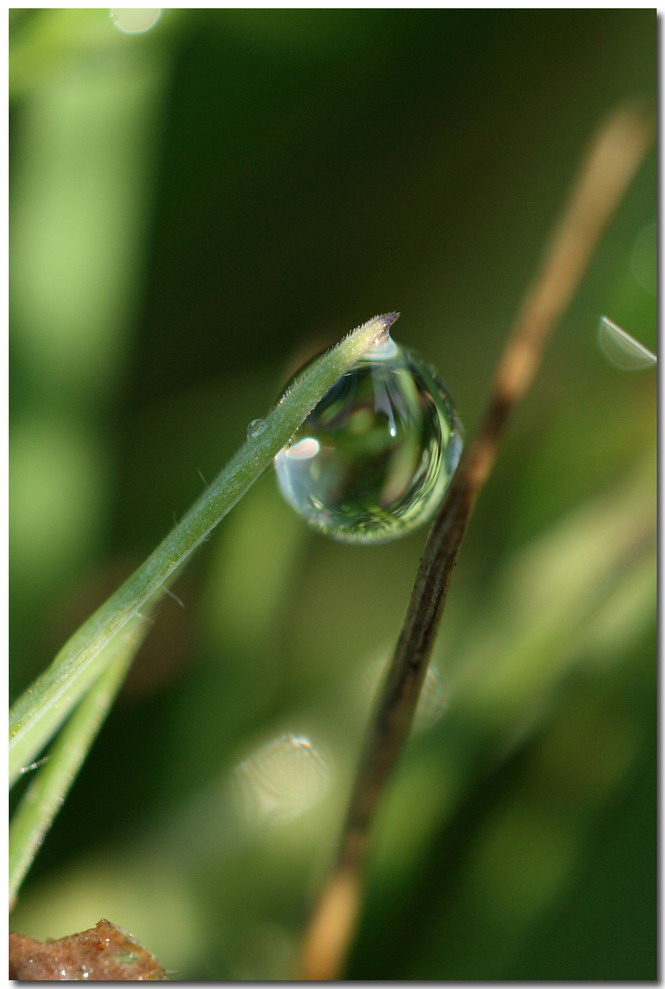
[(40, 710), (45, 794), (191, 207)]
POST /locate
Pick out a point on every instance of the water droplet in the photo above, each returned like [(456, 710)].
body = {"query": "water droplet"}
[(374, 458), (255, 428), (622, 350), (135, 20), (280, 780), (432, 702)]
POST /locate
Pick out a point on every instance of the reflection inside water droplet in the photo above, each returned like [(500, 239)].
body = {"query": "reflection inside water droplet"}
[(303, 449), (622, 350), (374, 458), (280, 780)]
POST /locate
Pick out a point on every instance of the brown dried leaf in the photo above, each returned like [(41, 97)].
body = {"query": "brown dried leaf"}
[(103, 953)]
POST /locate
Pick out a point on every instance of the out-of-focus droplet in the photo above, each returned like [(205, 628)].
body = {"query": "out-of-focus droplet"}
[(432, 701), (281, 780), (255, 428), (374, 458), (622, 350), (135, 20)]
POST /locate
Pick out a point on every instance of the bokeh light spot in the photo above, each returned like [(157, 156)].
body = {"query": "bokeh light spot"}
[(135, 20), (280, 780)]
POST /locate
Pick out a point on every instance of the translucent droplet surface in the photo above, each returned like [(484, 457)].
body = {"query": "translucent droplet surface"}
[(255, 428), (281, 780), (135, 20), (374, 458), (621, 349)]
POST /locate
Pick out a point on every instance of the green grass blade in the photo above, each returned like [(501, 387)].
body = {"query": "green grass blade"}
[(46, 794), (38, 713)]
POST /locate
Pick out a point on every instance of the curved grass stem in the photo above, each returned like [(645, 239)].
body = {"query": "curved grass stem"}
[(39, 712), (46, 793)]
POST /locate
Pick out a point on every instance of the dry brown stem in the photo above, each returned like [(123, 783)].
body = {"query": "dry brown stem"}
[(605, 173)]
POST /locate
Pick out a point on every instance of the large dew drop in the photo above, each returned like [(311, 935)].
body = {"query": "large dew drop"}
[(374, 458)]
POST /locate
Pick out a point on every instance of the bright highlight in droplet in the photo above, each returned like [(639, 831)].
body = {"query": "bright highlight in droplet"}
[(135, 20), (304, 450), (621, 349)]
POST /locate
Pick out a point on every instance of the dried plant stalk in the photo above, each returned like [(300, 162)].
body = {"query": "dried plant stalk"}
[(614, 156)]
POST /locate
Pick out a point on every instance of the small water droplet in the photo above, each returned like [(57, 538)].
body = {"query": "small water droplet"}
[(34, 765), (374, 458), (255, 428), (621, 349)]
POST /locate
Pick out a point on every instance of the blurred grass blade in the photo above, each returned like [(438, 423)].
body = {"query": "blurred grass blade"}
[(45, 704), (46, 794)]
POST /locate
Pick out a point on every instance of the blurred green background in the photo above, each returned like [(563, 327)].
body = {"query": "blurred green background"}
[(194, 210)]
